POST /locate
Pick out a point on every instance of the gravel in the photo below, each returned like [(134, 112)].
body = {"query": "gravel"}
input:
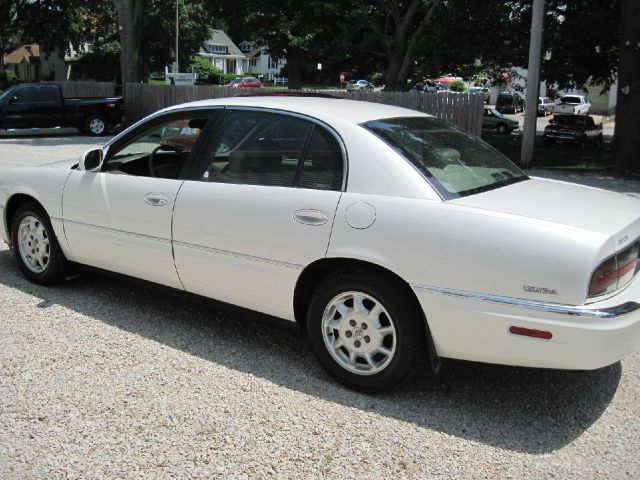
[(102, 379)]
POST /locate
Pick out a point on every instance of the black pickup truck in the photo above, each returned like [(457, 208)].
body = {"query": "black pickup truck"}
[(574, 129), (43, 106)]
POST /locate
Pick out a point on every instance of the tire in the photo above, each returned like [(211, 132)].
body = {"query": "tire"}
[(599, 143), (48, 265), (95, 125), (395, 339), (501, 128)]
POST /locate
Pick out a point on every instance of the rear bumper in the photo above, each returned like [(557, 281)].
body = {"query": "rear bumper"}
[(470, 326)]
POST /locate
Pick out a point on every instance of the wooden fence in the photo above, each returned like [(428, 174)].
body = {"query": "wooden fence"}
[(88, 89), (464, 110)]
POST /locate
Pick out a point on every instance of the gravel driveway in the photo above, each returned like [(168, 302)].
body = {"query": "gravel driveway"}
[(102, 379)]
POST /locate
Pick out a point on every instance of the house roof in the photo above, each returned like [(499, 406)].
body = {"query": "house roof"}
[(256, 52), (220, 38), (24, 54)]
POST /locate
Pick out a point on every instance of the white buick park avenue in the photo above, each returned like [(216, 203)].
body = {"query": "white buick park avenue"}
[(392, 238)]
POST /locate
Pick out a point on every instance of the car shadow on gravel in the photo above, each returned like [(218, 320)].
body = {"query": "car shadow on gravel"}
[(526, 410)]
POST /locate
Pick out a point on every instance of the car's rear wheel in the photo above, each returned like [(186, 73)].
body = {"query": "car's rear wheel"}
[(36, 247), (95, 125), (366, 331)]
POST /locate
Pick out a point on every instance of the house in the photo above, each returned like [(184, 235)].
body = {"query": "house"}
[(30, 64), (224, 54), (259, 61)]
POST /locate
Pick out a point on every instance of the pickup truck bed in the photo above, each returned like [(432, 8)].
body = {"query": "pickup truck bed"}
[(43, 106)]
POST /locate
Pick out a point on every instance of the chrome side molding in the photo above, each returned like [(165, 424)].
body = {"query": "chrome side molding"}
[(610, 312)]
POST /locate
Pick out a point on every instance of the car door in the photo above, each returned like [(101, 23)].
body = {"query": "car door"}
[(20, 111), (119, 218), (258, 209), (49, 109)]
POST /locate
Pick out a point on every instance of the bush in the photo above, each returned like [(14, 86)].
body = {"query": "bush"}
[(206, 72), (8, 78), (377, 78), (458, 86)]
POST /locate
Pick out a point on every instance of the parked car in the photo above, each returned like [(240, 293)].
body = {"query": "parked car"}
[(245, 82), (483, 90), (494, 120), (43, 106), (573, 104), (545, 106), (388, 235), (574, 129), (359, 86), (509, 102)]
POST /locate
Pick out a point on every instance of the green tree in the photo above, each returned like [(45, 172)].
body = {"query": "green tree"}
[(305, 32)]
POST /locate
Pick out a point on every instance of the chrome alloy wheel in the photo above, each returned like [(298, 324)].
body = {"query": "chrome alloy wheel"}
[(97, 126), (359, 333), (33, 244)]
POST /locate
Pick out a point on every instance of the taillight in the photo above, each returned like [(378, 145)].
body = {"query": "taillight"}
[(615, 272)]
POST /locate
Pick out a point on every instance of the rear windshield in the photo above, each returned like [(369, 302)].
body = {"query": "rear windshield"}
[(571, 100), (454, 162)]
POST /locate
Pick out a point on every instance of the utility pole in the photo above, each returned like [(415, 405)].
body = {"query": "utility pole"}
[(533, 84), (176, 67)]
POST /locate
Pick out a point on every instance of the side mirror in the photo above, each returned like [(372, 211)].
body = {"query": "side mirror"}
[(91, 161)]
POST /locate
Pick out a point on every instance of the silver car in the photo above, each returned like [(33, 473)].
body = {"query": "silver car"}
[(359, 86)]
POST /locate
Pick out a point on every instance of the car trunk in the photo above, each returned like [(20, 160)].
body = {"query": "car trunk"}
[(615, 215)]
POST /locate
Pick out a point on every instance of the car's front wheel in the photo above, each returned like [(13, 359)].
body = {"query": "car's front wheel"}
[(35, 246), (366, 331)]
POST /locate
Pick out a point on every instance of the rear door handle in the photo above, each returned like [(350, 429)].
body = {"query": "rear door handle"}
[(310, 217), (156, 199)]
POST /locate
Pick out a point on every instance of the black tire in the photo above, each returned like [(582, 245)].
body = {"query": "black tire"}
[(501, 128), (599, 143), (55, 269), (95, 125), (410, 338)]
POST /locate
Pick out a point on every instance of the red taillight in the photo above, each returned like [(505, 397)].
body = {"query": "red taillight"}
[(529, 332), (615, 272)]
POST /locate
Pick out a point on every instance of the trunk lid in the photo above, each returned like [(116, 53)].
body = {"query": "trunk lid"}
[(589, 208)]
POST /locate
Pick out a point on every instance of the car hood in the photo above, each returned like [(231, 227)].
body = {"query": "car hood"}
[(65, 164), (588, 208)]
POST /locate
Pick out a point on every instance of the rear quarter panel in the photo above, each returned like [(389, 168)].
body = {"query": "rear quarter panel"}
[(438, 244)]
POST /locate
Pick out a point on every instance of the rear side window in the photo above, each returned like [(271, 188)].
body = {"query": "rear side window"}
[(268, 149), (47, 94), (322, 167)]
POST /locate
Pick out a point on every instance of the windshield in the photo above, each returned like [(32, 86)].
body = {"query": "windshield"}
[(495, 112), (8, 92), (453, 161), (565, 120), (236, 80)]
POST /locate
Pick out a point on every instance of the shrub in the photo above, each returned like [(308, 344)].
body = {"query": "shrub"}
[(458, 86), (206, 72)]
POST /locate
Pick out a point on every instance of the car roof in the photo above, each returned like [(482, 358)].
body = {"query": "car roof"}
[(325, 109)]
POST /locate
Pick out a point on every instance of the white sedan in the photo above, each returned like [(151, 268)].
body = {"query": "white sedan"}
[(392, 238)]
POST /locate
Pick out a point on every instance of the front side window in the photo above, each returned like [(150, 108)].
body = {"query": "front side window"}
[(269, 149), (158, 151), (27, 95), (454, 162)]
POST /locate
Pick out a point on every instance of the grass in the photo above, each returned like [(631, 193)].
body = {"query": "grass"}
[(563, 156)]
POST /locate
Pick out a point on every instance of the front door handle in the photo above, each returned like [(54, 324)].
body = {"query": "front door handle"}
[(156, 199), (310, 217)]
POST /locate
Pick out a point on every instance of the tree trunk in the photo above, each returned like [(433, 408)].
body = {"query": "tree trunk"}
[(130, 25), (294, 67), (627, 131)]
